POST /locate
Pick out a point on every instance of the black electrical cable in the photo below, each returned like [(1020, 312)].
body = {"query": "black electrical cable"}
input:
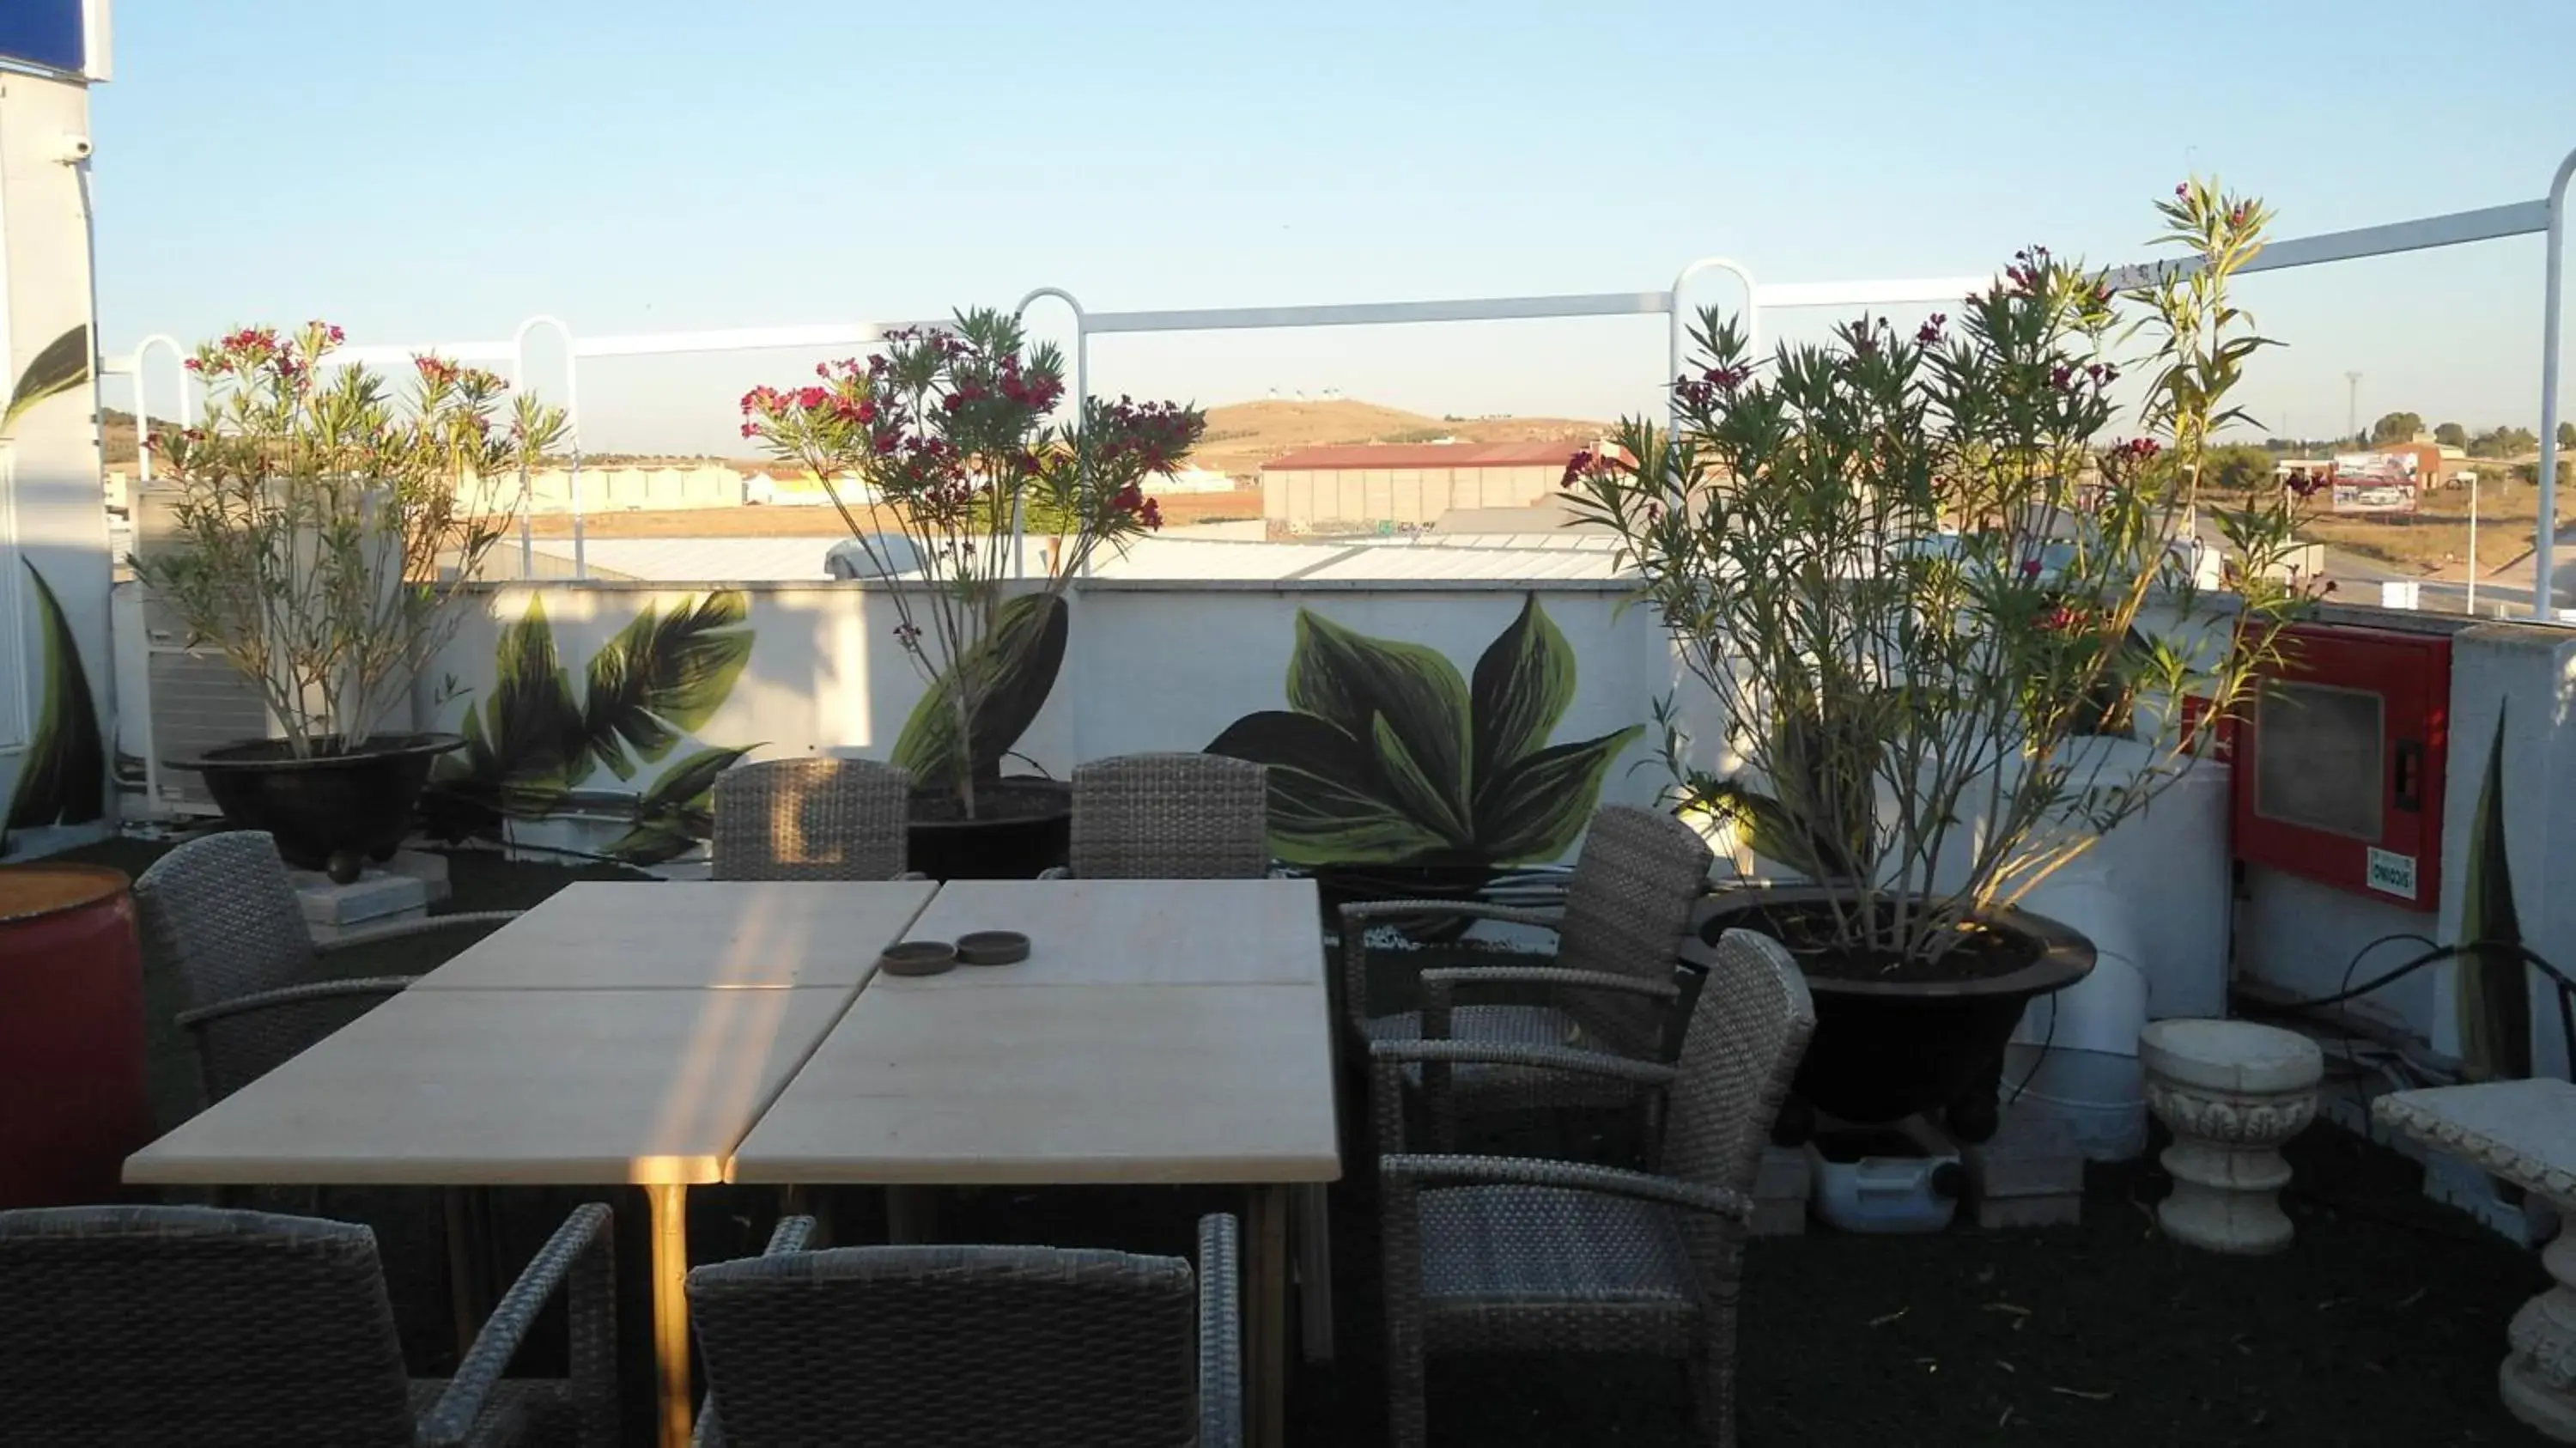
[(2438, 953), (2041, 1059)]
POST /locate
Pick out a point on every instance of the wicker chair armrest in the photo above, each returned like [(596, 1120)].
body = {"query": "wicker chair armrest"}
[(1368, 910), (1440, 987), (1220, 1333), (1423, 1171), (287, 995), (1392, 1054), (584, 1234), (378, 934), (793, 1234), (1354, 935), (1056, 872)]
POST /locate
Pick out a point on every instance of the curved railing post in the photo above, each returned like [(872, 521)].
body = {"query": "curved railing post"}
[(143, 403), (572, 430), (1081, 405), (1678, 335), (2544, 541)]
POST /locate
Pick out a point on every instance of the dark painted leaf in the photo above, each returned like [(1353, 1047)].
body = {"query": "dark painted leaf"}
[(1536, 808), (1326, 804), (62, 366), (662, 676), (62, 779), (1020, 662), (1412, 790), (688, 780), (2493, 983), (1522, 686), (1347, 678), (534, 729)]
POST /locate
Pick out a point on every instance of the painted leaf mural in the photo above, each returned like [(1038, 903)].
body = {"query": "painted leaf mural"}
[(662, 676), (60, 367), (1024, 654), (63, 780), (1387, 755), (533, 743), (2493, 983)]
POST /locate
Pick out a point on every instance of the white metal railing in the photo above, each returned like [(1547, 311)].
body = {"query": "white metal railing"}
[(2546, 216)]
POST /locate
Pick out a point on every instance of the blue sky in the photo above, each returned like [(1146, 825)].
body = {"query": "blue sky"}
[(435, 171)]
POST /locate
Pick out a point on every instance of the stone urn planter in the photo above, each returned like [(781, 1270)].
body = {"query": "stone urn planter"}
[(2231, 1092), (329, 811), (1894, 1039)]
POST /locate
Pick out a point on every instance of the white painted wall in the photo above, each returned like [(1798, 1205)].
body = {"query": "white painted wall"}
[(52, 515)]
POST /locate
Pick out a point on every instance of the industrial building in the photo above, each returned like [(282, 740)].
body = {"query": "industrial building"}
[(1372, 487)]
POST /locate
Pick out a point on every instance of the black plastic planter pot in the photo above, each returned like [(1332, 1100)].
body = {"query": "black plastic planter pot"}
[(328, 812), (1021, 826), (1887, 1049)]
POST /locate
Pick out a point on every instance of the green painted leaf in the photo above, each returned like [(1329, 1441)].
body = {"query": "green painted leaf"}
[(1347, 679), (1417, 794), (2492, 981), (62, 366), (1326, 801), (1537, 807), (662, 676), (1021, 661), (687, 782), (1522, 686), (63, 777), (535, 731)]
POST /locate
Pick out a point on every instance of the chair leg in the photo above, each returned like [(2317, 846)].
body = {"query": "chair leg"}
[(1712, 1384)]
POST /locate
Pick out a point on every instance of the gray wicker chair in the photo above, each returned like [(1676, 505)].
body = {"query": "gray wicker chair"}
[(1493, 1254), (810, 819), (222, 910), (141, 1327), (1627, 909), (1175, 816), (971, 1345)]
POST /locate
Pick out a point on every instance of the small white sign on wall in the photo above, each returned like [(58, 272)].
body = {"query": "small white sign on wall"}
[(2391, 873)]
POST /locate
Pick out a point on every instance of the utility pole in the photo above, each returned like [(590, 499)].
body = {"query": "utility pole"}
[(2352, 405)]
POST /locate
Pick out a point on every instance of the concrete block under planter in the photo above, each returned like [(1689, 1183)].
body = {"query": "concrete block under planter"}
[(2031, 1174), (1780, 1191), (372, 897)]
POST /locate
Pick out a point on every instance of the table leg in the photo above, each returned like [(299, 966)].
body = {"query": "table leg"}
[(670, 1211), (466, 1252), (912, 1215), (1265, 1313), (1314, 1273)]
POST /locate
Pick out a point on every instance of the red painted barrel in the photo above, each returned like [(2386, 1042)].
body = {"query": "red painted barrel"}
[(73, 1104)]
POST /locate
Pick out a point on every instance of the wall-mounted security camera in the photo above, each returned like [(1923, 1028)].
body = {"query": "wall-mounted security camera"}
[(71, 148)]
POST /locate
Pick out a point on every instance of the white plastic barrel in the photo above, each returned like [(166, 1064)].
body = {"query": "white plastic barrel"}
[(2074, 1056)]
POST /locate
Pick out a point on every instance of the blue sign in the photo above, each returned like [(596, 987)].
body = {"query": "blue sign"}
[(47, 33)]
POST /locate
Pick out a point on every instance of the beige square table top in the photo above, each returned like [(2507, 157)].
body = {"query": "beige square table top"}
[(501, 1087), (1131, 932), (1072, 1085), (720, 934)]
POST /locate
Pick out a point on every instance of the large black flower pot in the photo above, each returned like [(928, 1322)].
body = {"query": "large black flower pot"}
[(329, 811), (1888, 1049), (1021, 826)]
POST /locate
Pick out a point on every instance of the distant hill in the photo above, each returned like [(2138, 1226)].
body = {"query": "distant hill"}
[(1242, 436)]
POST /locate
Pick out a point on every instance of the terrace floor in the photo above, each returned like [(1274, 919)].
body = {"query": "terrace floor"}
[(2382, 1325)]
